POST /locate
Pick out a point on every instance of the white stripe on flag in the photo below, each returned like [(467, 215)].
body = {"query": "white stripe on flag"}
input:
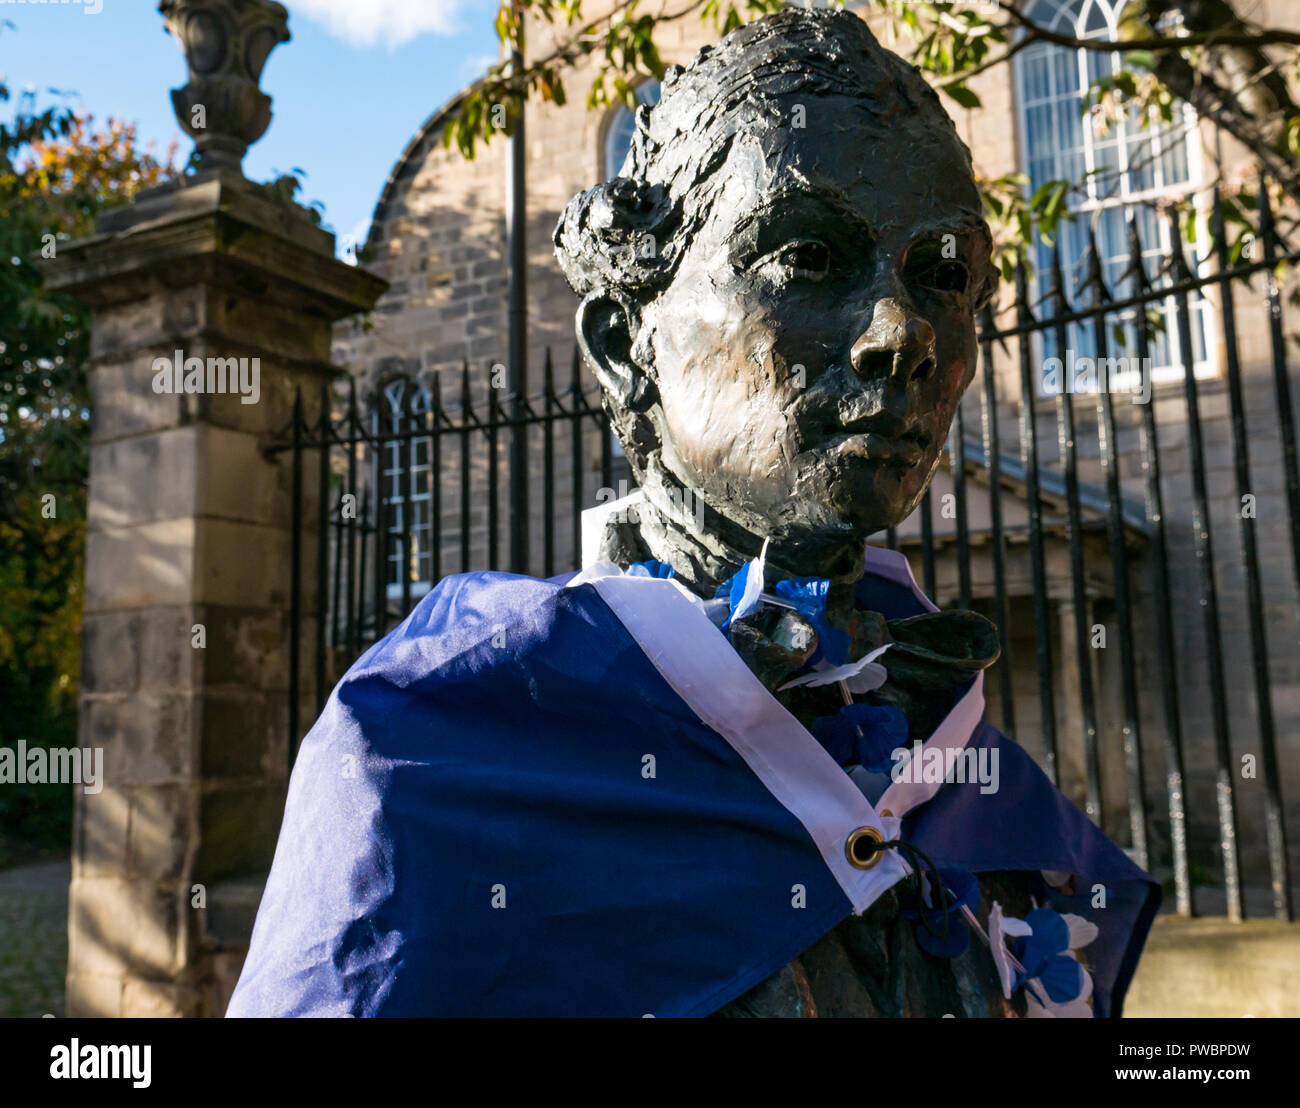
[(696, 659)]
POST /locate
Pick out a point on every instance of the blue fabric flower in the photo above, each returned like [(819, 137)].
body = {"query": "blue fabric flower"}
[(932, 935), (1042, 954), (807, 595), (865, 734), (650, 568)]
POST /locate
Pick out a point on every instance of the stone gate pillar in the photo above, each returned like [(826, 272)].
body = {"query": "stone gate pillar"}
[(187, 590)]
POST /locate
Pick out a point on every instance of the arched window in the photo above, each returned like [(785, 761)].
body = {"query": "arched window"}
[(618, 139), (1119, 169)]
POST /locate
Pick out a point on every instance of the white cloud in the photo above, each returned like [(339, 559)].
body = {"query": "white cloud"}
[(393, 22), (472, 68)]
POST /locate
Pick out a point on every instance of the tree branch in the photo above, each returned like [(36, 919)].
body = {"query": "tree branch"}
[(567, 52)]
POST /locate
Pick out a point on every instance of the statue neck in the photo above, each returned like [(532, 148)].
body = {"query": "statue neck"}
[(705, 548), (701, 559)]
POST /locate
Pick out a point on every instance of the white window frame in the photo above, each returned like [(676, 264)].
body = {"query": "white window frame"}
[(401, 460)]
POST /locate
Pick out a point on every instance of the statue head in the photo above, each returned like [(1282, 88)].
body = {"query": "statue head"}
[(779, 293)]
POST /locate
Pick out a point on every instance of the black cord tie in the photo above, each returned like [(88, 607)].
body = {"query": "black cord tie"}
[(919, 860)]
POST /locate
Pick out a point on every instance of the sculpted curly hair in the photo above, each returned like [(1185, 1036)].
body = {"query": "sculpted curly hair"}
[(666, 187)]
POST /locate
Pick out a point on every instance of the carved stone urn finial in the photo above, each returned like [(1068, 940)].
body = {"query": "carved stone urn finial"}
[(226, 44)]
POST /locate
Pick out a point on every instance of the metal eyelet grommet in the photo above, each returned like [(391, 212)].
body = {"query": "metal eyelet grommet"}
[(863, 857)]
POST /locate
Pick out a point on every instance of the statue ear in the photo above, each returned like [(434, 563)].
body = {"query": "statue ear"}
[(606, 333)]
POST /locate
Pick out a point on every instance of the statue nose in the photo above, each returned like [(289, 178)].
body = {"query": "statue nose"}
[(897, 343)]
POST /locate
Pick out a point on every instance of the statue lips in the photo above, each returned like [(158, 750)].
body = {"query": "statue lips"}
[(904, 450), (882, 437)]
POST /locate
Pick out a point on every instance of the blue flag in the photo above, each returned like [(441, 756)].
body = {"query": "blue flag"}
[(535, 798)]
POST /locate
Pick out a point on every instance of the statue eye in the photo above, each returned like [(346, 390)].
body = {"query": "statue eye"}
[(806, 258), (939, 274)]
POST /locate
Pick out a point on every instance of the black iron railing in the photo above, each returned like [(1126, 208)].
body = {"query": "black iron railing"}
[(407, 488)]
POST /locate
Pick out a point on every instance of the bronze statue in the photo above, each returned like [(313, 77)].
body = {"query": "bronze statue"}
[(779, 295), (778, 300), (576, 797)]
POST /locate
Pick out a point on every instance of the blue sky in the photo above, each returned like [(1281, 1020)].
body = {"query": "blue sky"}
[(348, 91)]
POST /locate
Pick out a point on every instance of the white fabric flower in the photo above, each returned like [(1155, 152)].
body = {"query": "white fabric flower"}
[(1001, 926), (753, 591), (1082, 931), (861, 676)]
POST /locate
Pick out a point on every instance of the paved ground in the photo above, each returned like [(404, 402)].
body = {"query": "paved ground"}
[(1210, 967), (33, 938)]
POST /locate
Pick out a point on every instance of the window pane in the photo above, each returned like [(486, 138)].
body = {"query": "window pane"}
[(1035, 76), (1066, 72), (1142, 166), (1094, 20)]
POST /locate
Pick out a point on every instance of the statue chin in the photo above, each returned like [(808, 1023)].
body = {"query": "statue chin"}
[(819, 528), (834, 549), (841, 511)]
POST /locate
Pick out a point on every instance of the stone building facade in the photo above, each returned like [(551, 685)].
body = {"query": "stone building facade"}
[(438, 237)]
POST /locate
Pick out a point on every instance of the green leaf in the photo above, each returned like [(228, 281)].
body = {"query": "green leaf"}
[(964, 96), (1044, 190), (653, 62)]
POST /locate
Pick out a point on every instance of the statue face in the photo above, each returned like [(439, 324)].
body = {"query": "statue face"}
[(819, 332)]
